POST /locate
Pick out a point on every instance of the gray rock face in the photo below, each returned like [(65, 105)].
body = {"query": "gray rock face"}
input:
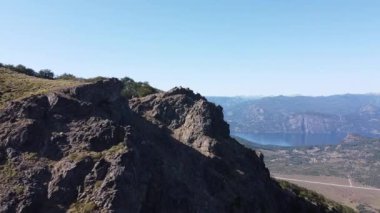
[(88, 149), (188, 116)]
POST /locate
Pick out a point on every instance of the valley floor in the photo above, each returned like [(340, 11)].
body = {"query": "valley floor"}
[(342, 190)]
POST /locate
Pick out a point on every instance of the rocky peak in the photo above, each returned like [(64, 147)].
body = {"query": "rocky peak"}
[(102, 91), (183, 91), (89, 149), (190, 118)]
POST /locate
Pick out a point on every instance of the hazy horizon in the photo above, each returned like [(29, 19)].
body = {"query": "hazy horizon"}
[(294, 95), (224, 48)]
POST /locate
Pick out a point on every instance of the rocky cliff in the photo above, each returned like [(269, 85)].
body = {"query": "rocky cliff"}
[(88, 149)]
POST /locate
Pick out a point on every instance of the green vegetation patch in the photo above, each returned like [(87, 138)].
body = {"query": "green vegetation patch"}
[(30, 156), (98, 184), (7, 171), (114, 150), (136, 89), (82, 207)]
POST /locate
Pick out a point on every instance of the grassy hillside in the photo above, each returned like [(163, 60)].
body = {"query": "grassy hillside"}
[(314, 197), (15, 85)]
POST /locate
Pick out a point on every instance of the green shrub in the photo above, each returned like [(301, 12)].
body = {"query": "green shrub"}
[(67, 76), (136, 89), (46, 73), (95, 79), (8, 171)]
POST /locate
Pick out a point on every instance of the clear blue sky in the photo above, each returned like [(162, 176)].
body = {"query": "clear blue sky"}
[(215, 47)]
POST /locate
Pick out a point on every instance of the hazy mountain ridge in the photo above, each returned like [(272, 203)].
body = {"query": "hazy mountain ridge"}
[(304, 115)]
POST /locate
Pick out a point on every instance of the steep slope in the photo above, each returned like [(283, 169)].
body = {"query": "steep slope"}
[(88, 149)]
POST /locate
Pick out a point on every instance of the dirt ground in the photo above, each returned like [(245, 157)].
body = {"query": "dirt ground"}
[(345, 194)]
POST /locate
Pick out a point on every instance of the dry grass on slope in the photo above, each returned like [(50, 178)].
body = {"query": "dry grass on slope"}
[(15, 86)]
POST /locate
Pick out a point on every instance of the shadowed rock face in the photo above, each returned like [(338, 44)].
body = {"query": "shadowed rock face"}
[(88, 148)]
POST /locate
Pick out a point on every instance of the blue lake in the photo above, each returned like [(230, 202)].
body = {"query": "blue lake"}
[(291, 139)]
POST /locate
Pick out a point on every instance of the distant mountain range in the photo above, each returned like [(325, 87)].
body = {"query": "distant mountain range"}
[(338, 114)]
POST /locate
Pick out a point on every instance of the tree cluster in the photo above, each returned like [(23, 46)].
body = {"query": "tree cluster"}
[(44, 73), (136, 89)]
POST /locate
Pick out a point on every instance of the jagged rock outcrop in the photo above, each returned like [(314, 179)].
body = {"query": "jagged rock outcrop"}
[(88, 149)]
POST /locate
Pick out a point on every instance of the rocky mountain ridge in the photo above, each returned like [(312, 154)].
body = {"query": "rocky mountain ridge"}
[(89, 149)]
